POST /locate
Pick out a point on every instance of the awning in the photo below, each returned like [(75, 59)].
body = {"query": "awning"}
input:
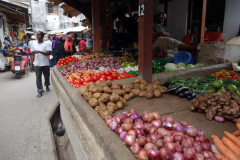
[(69, 11), (69, 30), (13, 15)]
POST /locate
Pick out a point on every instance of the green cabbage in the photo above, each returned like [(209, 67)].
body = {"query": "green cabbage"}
[(181, 65), (171, 67), (180, 68), (198, 65), (190, 66)]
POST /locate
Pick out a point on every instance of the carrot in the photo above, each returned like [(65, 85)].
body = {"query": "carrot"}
[(75, 76), (223, 149), (233, 147), (238, 125), (238, 121), (233, 138), (238, 137), (219, 156), (236, 133)]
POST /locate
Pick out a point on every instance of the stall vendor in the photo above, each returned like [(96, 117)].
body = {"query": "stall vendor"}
[(159, 29), (7, 43)]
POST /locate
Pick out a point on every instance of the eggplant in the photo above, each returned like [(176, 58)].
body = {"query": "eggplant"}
[(184, 94), (193, 95), (172, 90), (166, 84), (177, 91)]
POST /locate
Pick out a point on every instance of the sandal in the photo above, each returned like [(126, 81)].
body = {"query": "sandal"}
[(39, 95)]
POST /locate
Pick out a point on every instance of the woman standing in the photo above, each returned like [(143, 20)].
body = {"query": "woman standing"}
[(56, 47), (69, 47)]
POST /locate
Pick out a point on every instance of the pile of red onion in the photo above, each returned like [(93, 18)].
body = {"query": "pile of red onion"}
[(151, 137)]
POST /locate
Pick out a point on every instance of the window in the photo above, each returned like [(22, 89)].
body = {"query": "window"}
[(52, 9)]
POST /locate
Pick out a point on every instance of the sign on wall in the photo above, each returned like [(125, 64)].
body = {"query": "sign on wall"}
[(141, 10)]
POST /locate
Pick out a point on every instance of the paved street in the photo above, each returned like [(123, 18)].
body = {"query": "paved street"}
[(21, 117)]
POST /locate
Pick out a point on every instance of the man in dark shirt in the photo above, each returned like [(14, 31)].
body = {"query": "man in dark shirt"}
[(159, 29), (131, 26)]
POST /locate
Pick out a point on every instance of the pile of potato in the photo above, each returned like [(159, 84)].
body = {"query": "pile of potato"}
[(106, 98)]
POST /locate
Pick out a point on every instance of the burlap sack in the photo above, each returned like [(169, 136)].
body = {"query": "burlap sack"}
[(211, 54)]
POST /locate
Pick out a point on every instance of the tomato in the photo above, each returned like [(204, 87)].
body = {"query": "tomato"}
[(110, 78), (95, 78), (71, 81), (76, 86), (122, 76), (102, 79), (102, 73), (91, 78), (79, 81), (98, 75), (119, 77), (127, 76), (133, 75), (113, 72), (86, 79), (115, 75), (84, 83), (108, 73), (124, 73), (104, 76)]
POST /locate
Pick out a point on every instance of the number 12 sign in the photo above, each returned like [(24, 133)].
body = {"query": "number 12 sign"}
[(141, 10)]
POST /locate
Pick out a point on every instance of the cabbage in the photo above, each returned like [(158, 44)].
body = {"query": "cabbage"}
[(190, 66), (199, 65), (181, 65), (180, 68), (171, 67)]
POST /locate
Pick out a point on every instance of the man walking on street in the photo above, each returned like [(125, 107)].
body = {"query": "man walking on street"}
[(40, 52)]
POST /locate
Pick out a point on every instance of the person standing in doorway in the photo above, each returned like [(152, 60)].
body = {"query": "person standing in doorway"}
[(82, 44), (69, 47), (40, 52)]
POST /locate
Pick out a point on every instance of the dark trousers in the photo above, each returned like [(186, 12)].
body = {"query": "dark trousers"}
[(45, 70), (125, 37)]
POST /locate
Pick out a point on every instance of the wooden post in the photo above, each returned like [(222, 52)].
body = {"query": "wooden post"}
[(201, 28), (109, 24), (145, 36), (96, 26), (104, 23)]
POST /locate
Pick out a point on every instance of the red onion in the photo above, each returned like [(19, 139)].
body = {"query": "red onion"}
[(178, 138), (135, 148), (153, 130), (132, 111), (146, 117), (163, 119), (139, 131), (207, 141), (128, 120), (125, 112), (142, 155), (178, 147), (141, 140), (108, 122), (177, 133), (171, 146), (206, 147), (211, 158), (190, 131), (198, 149), (132, 132), (180, 128), (161, 132), (119, 130), (178, 156), (153, 153), (153, 138), (196, 143), (167, 125), (118, 120), (147, 127), (199, 138), (122, 117), (139, 121), (165, 153), (199, 157), (219, 119), (156, 114), (160, 143), (190, 153), (129, 139), (113, 125), (156, 123), (108, 117), (168, 138), (175, 125), (186, 144), (189, 139), (137, 125), (135, 116), (148, 146), (200, 132), (152, 117), (127, 127), (169, 133), (207, 154), (170, 119), (122, 135), (183, 123)]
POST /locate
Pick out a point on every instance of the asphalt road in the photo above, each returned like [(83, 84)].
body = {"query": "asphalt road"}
[(21, 114)]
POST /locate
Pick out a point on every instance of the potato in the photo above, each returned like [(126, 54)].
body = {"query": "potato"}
[(101, 89), (115, 86), (149, 88), (112, 104), (105, 97), (157, 93), (155, 86), (136, 92), (102, 108), (162, 89), (94, 89), (142, 94), (90, 83), (83, 90), (143, 82), (156, 82), (132, 95), (87, 96), (114, 98), (98, 82), (125, 86), (93, 102), (119, 105), (107, 90), (138, 80), (111, 108), (149, 95), (142, 87), (127, 90), (105, 114), (137, 86), (97, 95), (109, 83), (119, 92), (120, 85), (127, 97), (97, 109), (103, 84), (123, 101), (131, 86)]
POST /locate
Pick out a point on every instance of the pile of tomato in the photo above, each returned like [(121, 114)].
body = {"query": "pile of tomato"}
[(67, 60), (223, 74), (102, 76)]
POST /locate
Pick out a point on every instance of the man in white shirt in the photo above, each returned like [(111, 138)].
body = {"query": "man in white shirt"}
[(40, 52), (33, 40)]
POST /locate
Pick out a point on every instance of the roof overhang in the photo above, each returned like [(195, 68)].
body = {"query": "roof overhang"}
[(13, 15)]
